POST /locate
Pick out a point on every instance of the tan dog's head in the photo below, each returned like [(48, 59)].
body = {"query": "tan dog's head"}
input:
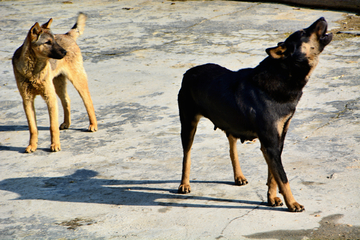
[(307, 43), (43, 43)]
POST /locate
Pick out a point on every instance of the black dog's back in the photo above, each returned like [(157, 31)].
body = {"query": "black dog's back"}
[(210, 90)]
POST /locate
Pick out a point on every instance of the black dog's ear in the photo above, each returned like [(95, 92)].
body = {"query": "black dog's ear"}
[(281, 51), (278, 52), (47, 24)]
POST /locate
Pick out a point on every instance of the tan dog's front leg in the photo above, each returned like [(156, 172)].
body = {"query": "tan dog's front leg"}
[(28, 104), (238, 175)]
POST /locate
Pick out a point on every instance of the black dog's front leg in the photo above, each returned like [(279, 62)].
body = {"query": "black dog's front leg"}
[(277, 176)]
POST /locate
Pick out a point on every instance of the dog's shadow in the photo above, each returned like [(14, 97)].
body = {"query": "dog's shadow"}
[(84, 186), (14, 128)]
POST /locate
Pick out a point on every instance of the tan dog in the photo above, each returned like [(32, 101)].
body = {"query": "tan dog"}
[(41, 66)]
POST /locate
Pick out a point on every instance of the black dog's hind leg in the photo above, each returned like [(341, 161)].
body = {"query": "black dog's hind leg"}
[(188, 130), (189, 120), (238, 175)]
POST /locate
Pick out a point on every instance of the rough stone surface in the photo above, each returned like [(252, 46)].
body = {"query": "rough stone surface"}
[(121, 181)]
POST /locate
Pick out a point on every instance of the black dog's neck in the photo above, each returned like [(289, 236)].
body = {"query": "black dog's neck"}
[(282, 79)]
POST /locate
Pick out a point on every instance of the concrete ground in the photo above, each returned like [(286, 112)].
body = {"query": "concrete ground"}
[(121, 181)]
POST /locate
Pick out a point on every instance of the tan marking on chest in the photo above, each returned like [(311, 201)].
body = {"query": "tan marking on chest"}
[(311, 51)]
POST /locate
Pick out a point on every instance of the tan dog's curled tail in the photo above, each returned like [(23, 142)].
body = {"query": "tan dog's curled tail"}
[(79, 26)]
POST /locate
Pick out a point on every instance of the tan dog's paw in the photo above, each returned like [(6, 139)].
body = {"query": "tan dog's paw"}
[(296, 207), (92, 128), (55, 147), (241, 181), (64, 126), (184, 188), (275, 202), (31, 148)]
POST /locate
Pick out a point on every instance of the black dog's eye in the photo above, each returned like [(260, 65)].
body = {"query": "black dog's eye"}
[(48, 42)]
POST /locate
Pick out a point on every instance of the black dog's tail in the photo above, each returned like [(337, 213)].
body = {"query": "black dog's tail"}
[(79, 27)]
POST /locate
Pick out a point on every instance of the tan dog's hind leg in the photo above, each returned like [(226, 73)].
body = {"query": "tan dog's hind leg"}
[(238, 175), (29, 108), (61, 91), (81, 85)]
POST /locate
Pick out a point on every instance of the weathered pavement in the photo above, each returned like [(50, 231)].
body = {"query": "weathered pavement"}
[(121, 181)]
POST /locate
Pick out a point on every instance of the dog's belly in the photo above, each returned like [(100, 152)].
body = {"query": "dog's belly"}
[(233, 121), (241, 130)]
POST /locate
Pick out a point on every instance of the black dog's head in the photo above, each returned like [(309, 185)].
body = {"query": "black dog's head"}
[(308, 43), (43, 43)]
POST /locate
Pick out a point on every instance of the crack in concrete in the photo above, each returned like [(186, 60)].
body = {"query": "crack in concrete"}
[(221, 15), (329, 229), (236, 218), (336, 117), (114, 54)]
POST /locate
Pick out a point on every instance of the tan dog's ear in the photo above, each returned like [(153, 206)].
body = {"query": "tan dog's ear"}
[(47, 25), (277, 52), (35, 32)]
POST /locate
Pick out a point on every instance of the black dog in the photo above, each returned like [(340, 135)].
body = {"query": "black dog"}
[(253, 103)]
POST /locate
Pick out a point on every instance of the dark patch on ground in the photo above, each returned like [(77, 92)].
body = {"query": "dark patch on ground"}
[(133, 113), (349, 27), (329, 229), (75, 223), (311, 183)]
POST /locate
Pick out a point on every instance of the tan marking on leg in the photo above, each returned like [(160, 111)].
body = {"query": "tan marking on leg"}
[(284, 188), (273, 200), (238, 175), (185, 178), (283, 124), (292, 205)]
